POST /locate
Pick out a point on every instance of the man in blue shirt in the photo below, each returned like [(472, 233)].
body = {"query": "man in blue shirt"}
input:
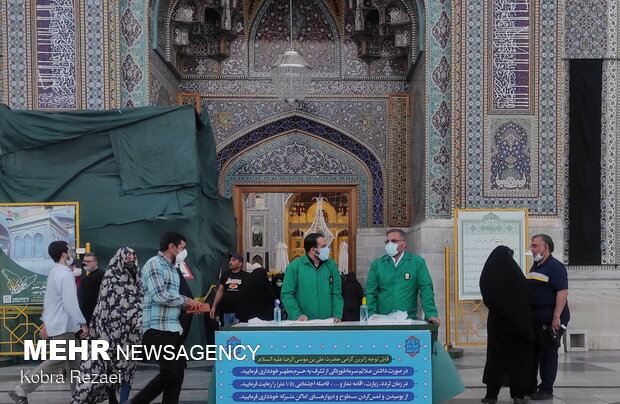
[(160, 317), (548, 283), (61, 316)]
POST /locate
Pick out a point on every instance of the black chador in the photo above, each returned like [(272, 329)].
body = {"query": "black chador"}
[(510, 326)]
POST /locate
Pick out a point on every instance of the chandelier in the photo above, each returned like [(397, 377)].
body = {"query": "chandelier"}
[(290, 75)]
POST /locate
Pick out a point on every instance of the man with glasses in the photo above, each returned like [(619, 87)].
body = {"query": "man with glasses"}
[(89, 287), (395, 280)]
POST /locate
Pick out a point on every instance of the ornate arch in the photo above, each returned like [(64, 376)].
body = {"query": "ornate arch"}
[(297, 157), (358, 164), (309, 117)]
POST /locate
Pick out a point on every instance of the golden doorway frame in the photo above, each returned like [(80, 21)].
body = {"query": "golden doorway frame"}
[(351, 190)]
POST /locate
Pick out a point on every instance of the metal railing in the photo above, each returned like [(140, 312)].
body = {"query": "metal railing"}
[(18, 324)]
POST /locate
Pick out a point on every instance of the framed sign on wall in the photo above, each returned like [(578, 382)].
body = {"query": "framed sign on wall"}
[(478, 232)]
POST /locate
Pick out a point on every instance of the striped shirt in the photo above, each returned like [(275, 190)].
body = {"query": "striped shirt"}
[(162, 300)]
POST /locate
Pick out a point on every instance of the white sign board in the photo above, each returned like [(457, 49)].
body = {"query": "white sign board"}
[(478, 233)]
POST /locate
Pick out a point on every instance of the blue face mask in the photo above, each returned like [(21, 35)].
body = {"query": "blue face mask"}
[(323, 253), (391, 249)]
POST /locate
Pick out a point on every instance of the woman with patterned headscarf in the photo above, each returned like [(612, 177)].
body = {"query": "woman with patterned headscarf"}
[(117, 319)]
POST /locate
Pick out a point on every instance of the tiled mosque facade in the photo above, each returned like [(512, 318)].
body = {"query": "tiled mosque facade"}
[(420, 104)]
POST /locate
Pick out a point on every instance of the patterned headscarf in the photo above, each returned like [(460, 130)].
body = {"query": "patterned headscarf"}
[(119, 258), (117, 319)]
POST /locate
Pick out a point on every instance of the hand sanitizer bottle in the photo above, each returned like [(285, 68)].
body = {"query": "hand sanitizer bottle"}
[(363, 312), (277, 312)]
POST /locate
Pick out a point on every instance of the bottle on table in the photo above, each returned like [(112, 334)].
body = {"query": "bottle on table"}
[(363, 312), (277, 312)]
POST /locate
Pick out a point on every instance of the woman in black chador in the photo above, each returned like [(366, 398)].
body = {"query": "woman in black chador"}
[(510, 327)]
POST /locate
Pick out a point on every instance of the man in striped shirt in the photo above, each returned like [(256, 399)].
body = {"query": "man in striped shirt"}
[(160, 316)]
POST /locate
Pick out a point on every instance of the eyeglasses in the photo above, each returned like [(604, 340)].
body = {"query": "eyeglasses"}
[(393, 241)]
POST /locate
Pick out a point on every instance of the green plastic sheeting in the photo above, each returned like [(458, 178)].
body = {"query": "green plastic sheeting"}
[(135, 172)]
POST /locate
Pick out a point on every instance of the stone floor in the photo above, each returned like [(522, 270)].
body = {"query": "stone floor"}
[(583, 378)]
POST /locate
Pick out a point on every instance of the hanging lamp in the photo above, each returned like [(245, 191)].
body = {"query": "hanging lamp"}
[(290, 75)]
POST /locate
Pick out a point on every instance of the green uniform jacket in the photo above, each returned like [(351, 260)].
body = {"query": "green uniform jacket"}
[(317, 293), (390, 289)]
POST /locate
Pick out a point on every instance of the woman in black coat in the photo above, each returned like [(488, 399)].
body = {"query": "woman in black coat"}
[(257, 297), (352, 294), (510, 327)]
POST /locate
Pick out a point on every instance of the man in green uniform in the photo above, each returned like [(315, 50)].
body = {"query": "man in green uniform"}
[(395, 280), (312, 287)]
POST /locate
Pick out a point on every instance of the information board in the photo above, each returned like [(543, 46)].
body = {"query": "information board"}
[(478, 233), (387, 366)]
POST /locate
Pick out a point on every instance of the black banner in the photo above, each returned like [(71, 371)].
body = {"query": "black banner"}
[(584, 196)]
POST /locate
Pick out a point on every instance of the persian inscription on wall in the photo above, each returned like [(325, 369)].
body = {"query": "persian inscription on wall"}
[(510, 59), (55, 54)]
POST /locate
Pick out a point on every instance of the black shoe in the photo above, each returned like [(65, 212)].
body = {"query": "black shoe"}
[(18, 399), (489, 400), (541, 395)]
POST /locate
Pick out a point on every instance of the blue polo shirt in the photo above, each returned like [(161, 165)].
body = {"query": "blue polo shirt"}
[(545, 280)]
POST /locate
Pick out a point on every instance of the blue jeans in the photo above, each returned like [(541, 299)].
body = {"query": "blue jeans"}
[(124, 393), (230, 319)]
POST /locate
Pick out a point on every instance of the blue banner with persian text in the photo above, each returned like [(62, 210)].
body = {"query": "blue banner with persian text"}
[(384, 366)]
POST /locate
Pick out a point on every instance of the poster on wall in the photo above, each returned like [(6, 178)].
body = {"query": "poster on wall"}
[(478, 233), (26, 230)]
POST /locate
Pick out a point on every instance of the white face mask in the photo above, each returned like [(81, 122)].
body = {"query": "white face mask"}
[(391, 249), (88, 268), (68, 260), (77, 272), (323, 253), (538, 257), (181, 256)]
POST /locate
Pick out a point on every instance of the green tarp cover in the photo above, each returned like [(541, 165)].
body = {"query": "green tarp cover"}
[(136, 173)]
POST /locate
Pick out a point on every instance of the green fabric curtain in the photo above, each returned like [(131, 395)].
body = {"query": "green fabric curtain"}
[(135, 172)]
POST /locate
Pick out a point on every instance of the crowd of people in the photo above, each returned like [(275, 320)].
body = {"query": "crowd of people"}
[(124, 305), (128, 305)]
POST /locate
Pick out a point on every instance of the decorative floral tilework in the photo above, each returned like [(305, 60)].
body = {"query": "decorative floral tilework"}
[(321, 131), (438, 54)]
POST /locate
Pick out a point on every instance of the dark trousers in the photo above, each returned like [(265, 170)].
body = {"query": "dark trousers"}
[(170, 376), (546, 359), (493, 391)]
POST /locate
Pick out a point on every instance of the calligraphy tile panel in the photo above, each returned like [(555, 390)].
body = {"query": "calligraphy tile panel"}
[(55, 54), (511, 61)]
